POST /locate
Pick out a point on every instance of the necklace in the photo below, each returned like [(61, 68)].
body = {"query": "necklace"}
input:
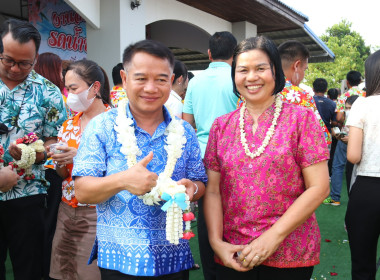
[(175, 195), (29, 145), (269, 134)]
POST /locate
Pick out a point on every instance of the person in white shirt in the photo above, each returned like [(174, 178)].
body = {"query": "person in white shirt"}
[(363, 209), (179, 86)]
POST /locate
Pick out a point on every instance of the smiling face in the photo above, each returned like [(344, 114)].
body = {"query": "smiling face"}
[(253, 77), (147, 80), (19, 52)]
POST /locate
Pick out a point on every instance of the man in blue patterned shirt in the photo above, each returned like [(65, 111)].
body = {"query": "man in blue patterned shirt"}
[(28, 103), (130, 240)]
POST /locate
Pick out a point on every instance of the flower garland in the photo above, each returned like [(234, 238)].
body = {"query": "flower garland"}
[(29, 145), (166, 189), (268, 136), (1, 155)]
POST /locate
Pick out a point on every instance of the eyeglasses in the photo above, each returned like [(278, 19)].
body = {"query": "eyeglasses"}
[(21, 64)]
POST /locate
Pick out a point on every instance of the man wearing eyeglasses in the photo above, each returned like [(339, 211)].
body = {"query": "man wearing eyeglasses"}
[(28, 103)]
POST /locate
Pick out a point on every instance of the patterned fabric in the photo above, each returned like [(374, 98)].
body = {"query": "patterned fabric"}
[(70, 113), (365, 115), (117, 94), (341, 101), (257, 192), (35, 105), (130, 234), (71, 133), (295, 95)]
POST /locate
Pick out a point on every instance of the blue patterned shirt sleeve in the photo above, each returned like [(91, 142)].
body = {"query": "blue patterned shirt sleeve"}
[(195, 169), (91, 157)]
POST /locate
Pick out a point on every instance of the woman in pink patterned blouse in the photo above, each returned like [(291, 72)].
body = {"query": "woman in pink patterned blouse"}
[(267, 168)]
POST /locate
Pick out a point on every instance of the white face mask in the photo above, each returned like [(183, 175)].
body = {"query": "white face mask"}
[(79, 102)]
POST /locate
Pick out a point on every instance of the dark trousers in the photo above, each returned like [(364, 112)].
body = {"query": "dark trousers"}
[(263, 272), (205, 250), (22, 232), (108, 274), (332, 151), (363, 226), (54, 197), (349, 169)]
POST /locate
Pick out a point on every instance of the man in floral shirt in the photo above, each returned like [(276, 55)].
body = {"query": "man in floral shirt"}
[(353, 78), (28, 103), (294, 58)]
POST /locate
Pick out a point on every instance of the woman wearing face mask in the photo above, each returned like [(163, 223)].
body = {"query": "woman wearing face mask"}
[(88, 89)]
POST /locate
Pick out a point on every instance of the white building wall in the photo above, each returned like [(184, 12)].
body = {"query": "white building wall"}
[(174, 10), (88, 9), (112, 25), (103, 44), (243, 30)]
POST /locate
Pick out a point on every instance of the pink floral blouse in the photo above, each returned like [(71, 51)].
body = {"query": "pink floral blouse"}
[(256, 193)]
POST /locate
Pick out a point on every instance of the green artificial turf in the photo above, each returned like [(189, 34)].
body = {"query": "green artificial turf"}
[(335, 255)]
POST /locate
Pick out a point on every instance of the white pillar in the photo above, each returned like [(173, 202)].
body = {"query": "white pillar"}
[(243, 30)]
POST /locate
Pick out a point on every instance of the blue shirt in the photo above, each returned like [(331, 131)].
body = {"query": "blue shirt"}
[(210, 95), (326, 109), (131, 235), (35, 105)]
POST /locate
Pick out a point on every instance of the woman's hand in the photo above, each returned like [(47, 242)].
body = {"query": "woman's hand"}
[(65, 157), (260, 249), (190, 187), (227, 253), (194, 190), (8, 178), (344, 138), (14, 151)]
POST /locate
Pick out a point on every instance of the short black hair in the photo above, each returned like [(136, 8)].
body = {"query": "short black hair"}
[(151, 47), (320, 85), (22, 31), (350, 100), (190, 75), (116, 78), (333, 93), (222, 45), (354, 78), (1, 45), (180, 69), (292, 50), (372, 73), (267, 46)]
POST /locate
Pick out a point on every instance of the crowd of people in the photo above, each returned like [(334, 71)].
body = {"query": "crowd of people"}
[(242, 139)]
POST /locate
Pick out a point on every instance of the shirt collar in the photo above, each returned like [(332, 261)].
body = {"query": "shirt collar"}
[(33, 77), (217, 64), (174, 94), (167, 117)]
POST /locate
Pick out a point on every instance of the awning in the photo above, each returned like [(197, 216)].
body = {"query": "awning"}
[(319, 52), (273, 19)]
